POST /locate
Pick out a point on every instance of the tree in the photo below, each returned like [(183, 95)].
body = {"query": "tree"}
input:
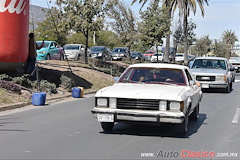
[(219, 48), (154, 25), (82, 16), (178, 36), (185, 6), (229, 38), (203, 45), (106, 38), (52, 28), (123, 22)]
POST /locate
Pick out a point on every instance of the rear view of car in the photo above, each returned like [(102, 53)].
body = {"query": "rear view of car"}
[(235, 61), (157, 57), (179, 57), (148, 54)]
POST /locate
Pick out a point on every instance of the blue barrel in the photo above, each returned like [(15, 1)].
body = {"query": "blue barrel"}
[(39, 99), (76, 92)]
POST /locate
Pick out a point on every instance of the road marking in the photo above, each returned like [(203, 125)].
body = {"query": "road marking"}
[(236, 116)]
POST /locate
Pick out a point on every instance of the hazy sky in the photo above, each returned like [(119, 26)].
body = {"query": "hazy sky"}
[(220, 15)]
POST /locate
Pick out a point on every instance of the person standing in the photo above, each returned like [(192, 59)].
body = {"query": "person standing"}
[(33, 47)]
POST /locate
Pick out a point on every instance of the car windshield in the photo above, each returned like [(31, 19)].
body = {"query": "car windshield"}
[(153, 76), (209, 63), (46, 44), (71, 47), (96, 49), (119, 50), (149, 52), (179, 55)]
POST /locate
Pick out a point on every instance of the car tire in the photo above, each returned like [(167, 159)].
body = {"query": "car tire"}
[(182, 128), (107, 126), (48, 57), (195, 114), (227, 89)]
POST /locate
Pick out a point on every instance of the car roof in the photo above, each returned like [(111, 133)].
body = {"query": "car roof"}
[(47, 41), (73, 44), (158, 65), (211, 58)]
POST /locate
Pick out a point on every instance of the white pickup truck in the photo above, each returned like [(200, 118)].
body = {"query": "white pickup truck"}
[(235, 61)]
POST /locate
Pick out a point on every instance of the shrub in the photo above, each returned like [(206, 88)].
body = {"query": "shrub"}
[(10, 86), (23, 81), (66, 82), (4, 77), (46, 86)]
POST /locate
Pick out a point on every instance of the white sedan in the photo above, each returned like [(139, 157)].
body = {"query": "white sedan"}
[(158, 93)]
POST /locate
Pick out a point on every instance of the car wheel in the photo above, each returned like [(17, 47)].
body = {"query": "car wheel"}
[(183, 127), (107, 126), (61, 57), (195, 114), (227, 89), (48, 57)]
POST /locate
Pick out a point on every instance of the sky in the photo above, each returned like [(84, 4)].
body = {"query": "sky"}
[(220, 15)]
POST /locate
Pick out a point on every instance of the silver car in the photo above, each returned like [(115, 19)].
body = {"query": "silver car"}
[(213, 72)]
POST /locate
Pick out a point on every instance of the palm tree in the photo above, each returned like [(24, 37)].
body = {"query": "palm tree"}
[(229, 38), (185, 6)]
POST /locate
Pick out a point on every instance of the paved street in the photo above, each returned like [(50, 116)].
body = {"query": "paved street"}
[(68, 131)]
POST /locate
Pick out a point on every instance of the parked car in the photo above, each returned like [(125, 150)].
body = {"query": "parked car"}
[(101, 52), (179, 57), (213, 72), (235, 61), (148, 54), (50, 50), (147, 92), (75, 51), (119, 52), (136, 55), (156, 56)]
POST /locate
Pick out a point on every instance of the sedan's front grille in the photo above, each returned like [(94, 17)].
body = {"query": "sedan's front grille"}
[(143, 104), (205, 78)]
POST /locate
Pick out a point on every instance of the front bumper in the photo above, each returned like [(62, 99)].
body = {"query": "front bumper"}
[(213, 84), (141, 116)]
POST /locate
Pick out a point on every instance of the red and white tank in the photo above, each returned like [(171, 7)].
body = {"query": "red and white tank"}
[(14, 30)]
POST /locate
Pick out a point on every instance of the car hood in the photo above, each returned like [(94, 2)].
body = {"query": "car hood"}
[(208, 71), (144, 91)]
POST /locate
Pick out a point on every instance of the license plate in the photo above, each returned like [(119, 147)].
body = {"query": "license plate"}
[(205, 85), (105, 117)]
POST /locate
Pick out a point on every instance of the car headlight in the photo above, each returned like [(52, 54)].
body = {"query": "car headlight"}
[(162, 105), (221, 78), (112, 103), (102, 102), (99, 54), (42, 52), (176, 106)]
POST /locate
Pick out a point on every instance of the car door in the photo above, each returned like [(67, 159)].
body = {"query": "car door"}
[(53, 50), (194, 89)]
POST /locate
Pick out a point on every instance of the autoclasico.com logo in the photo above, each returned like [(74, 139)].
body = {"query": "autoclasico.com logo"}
[(189, 154)]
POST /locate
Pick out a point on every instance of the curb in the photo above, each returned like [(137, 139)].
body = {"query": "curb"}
[(49, 101)]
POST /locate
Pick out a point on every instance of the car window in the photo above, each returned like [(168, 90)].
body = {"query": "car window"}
[(153, 76), (119, 50), (189, 77), (209, 63), (97, 49), (46, 44), (71, 47)]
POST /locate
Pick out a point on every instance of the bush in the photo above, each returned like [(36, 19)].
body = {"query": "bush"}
[(23, 81), (10, 86), (4, 77), (46, 86), (66, 83)]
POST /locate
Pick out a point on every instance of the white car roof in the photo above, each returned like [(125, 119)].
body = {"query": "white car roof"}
[(159, 65), (212, 58)]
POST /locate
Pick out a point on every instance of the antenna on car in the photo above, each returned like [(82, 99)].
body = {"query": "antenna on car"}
[(69, 67)]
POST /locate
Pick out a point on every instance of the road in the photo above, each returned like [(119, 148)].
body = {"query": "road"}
[(68, 130)]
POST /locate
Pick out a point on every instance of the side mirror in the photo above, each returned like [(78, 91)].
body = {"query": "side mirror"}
[(192, 82), (82, 49)]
